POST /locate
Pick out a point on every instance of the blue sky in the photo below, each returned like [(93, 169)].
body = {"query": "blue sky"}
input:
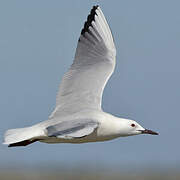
[(37, 45)]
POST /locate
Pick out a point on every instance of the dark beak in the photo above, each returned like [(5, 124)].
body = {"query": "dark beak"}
[(147, 131)]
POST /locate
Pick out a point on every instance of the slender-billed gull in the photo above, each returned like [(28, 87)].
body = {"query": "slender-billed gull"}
[(78, 116)]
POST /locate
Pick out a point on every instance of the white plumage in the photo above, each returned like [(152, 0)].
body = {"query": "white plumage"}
[(78, 116), (82, 86)]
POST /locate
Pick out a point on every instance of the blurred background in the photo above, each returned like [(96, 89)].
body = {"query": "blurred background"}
[(37, 45)]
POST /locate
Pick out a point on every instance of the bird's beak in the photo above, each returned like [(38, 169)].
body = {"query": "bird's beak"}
[(147, 131)]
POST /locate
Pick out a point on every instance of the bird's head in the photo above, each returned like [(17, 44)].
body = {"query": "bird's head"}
[(131, 127)]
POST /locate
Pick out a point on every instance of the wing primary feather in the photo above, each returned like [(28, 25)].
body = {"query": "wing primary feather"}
[(90, 18)]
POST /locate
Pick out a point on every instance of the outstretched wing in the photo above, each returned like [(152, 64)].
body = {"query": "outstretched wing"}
[(82, 86)]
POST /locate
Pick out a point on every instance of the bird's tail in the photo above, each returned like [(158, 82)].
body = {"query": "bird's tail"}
[(20, 136)]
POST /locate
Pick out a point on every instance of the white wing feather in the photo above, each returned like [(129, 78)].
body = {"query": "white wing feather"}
[(72, 129), (82, 86)]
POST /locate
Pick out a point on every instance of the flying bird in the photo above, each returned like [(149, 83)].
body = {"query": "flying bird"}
[(78, 116)]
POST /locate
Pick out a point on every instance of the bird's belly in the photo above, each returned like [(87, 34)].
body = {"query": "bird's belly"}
[(90, 138)]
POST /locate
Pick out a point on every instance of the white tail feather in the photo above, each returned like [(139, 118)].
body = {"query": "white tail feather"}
[(21, 134)]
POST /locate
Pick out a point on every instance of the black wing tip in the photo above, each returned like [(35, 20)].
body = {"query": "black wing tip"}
[(90, 18), (22, 143)]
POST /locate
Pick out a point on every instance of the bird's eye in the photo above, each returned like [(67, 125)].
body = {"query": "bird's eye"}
[(133, 125)]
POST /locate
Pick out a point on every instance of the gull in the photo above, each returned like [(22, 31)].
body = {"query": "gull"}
[(78, 116)]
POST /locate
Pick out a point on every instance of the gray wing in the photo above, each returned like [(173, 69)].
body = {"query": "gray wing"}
[(72, 129), (82, 86)]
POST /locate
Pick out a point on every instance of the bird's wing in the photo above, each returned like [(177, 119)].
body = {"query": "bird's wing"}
[(77, 128), (82, 86)]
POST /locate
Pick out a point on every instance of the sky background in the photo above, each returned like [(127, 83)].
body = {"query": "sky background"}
[(38, 39)]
